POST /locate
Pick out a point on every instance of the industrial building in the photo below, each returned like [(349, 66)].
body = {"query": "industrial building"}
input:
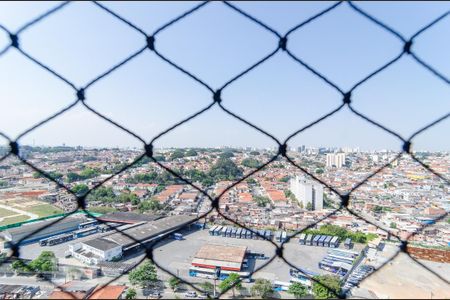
[(47, 229), (114, 245), (226, 257), (96, 250)]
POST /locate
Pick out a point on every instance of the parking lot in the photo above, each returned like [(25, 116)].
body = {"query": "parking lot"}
[(177, 256)]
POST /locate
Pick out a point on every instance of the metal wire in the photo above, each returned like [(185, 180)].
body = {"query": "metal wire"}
[(281, 48)]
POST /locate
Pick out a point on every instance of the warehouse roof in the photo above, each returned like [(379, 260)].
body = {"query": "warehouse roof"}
[(31, 227), (149, 230), (225, 257), (101, 244), (223, 253), (128, 217)]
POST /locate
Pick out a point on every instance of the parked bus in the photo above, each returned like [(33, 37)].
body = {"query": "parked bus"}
[(211, 230), (87, 224), (281, 286), (55, 240), (315, 241), (223, 232), (228, 233), (218, 230), (348, 243), (308, 240), (261, 234), (233, 232), (334, 243), (255, 236), (278, 236), (326, 243), (238, 233), (302, 239), (342, 252), (84, 232), (268, 235), (283, 236), (210, 273), (322, 240), (248, 234)]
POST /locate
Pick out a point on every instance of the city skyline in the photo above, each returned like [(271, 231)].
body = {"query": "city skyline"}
[(148, 96)]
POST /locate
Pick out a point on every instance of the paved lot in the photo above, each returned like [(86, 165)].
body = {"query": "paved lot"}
[(402, 278), (177, 255)]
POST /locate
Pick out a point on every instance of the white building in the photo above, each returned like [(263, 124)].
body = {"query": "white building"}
[(335, 160), (307, 191), (92, 252)]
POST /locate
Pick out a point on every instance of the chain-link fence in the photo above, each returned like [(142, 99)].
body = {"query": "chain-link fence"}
[(150, 43)]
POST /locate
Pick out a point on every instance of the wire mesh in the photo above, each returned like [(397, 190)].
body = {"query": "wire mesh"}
[(150, 43)]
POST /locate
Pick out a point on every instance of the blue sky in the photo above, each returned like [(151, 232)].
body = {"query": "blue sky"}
[(215, 43)]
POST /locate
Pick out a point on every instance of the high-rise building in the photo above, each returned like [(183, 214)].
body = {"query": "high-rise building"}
[(335, 160), (307, 192)]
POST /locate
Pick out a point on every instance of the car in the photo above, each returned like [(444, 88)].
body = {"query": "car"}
[(190, 294), (154, 295)]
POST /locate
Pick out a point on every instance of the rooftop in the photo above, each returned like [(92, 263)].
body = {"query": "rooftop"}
[(233, 254), (101, 244)]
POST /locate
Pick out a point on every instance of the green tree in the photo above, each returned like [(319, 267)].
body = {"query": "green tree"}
[(261, 201), (308, 206), (208, 287), (225, 169), (131, 294), (319, 171), (19, 265), (89, 173), (329, 286), (54, 175), (144, 275), (377, 209), (393, 225), (178, 153), (159, 158), (71, 177), (174, 283), (254, 153), (148, 205), (262, 288), (284, 179), (102, 194), (80, 189), (227, 154), (232, 281), (298, 290), (45, 262), (251, 163), (128, 197), (251, 181), (191, 152)]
